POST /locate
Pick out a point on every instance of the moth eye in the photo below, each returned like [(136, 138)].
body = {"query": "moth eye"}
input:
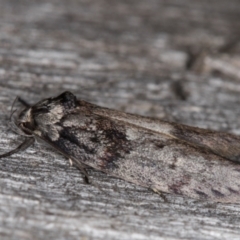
[(27, 125)]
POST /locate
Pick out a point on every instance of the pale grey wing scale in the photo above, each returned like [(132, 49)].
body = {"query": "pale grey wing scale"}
[(223, 144), (149, 158)]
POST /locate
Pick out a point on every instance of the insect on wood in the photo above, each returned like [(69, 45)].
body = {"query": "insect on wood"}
[(164, 156)]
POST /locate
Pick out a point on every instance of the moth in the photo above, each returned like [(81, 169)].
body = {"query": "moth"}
[(163, 156)]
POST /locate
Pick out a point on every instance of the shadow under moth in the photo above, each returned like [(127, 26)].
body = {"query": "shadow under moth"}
[(164, 156)]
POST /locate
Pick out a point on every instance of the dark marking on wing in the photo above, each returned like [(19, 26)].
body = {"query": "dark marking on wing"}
[(222, 144), (116, 144), (68, 134), (232, 190), (217, 193), (201, 194), (177, 186)]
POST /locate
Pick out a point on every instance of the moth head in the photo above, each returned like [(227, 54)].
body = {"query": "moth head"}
[(45, 112), (25, 121)]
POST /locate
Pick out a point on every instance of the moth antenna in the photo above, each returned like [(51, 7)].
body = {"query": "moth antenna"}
[(23, 146), (12, 112), (12, 123), (23, 102)]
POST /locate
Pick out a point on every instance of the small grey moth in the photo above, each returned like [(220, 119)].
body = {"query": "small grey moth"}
[(164, 156)]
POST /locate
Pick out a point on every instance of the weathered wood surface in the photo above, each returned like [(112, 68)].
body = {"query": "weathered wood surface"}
[(172, 59)]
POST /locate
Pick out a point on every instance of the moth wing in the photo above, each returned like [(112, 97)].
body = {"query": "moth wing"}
[(220, 143), (223, 144), (145, 157)]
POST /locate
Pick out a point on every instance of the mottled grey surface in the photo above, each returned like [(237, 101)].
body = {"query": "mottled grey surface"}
[(177, 60)]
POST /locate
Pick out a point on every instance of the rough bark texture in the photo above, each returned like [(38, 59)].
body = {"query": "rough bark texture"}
[(177, 60)]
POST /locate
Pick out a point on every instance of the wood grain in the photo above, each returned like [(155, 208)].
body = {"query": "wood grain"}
[(176, 60)]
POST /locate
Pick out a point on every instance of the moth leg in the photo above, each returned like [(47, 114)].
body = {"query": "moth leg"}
[(23, 146), (160, 194), (82, 169)]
